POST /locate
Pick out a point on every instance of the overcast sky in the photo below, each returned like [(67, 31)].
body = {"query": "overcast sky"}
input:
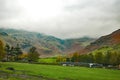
[(62, 18)]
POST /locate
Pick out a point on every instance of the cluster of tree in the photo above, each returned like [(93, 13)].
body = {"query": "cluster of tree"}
[(13, 53), (10, 53), (61, 59), (110, 57), (33, 55), (107, 58)]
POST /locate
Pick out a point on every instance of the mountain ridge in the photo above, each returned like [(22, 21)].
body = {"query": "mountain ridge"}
[(107, 40), (46, 45)]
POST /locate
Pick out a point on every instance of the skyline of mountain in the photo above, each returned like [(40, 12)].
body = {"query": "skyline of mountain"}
[(45, 44)]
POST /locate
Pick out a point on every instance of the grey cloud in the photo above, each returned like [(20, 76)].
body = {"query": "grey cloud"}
[(83, 18), (8, 9), (94, 16)]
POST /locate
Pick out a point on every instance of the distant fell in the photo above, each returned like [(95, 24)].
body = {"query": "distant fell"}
[(45, 44)]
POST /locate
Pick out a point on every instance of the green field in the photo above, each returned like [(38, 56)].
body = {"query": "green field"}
[(47, 60), (53, 72)]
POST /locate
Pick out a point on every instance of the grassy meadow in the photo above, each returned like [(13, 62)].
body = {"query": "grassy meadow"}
[(47, 60), (53, 72)]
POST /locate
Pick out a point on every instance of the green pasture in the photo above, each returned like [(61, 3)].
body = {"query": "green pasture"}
[(54, 72), (47, 60)]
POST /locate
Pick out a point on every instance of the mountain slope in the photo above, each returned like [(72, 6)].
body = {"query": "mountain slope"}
[(46, 45), (108, 40)]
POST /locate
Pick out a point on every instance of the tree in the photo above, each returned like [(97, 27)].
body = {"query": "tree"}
[(75, 57), (18, 52), (99, 57), (61, 59), (24, 57), (2, 51), (118, 58), (107, 57), (33, 55), (7, 49), (13, 53), (113, 58), (90, 58)]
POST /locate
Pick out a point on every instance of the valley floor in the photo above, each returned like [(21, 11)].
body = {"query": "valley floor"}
[(25, 71)]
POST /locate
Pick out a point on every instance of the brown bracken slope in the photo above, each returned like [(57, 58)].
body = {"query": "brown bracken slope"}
[(108, 40)]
